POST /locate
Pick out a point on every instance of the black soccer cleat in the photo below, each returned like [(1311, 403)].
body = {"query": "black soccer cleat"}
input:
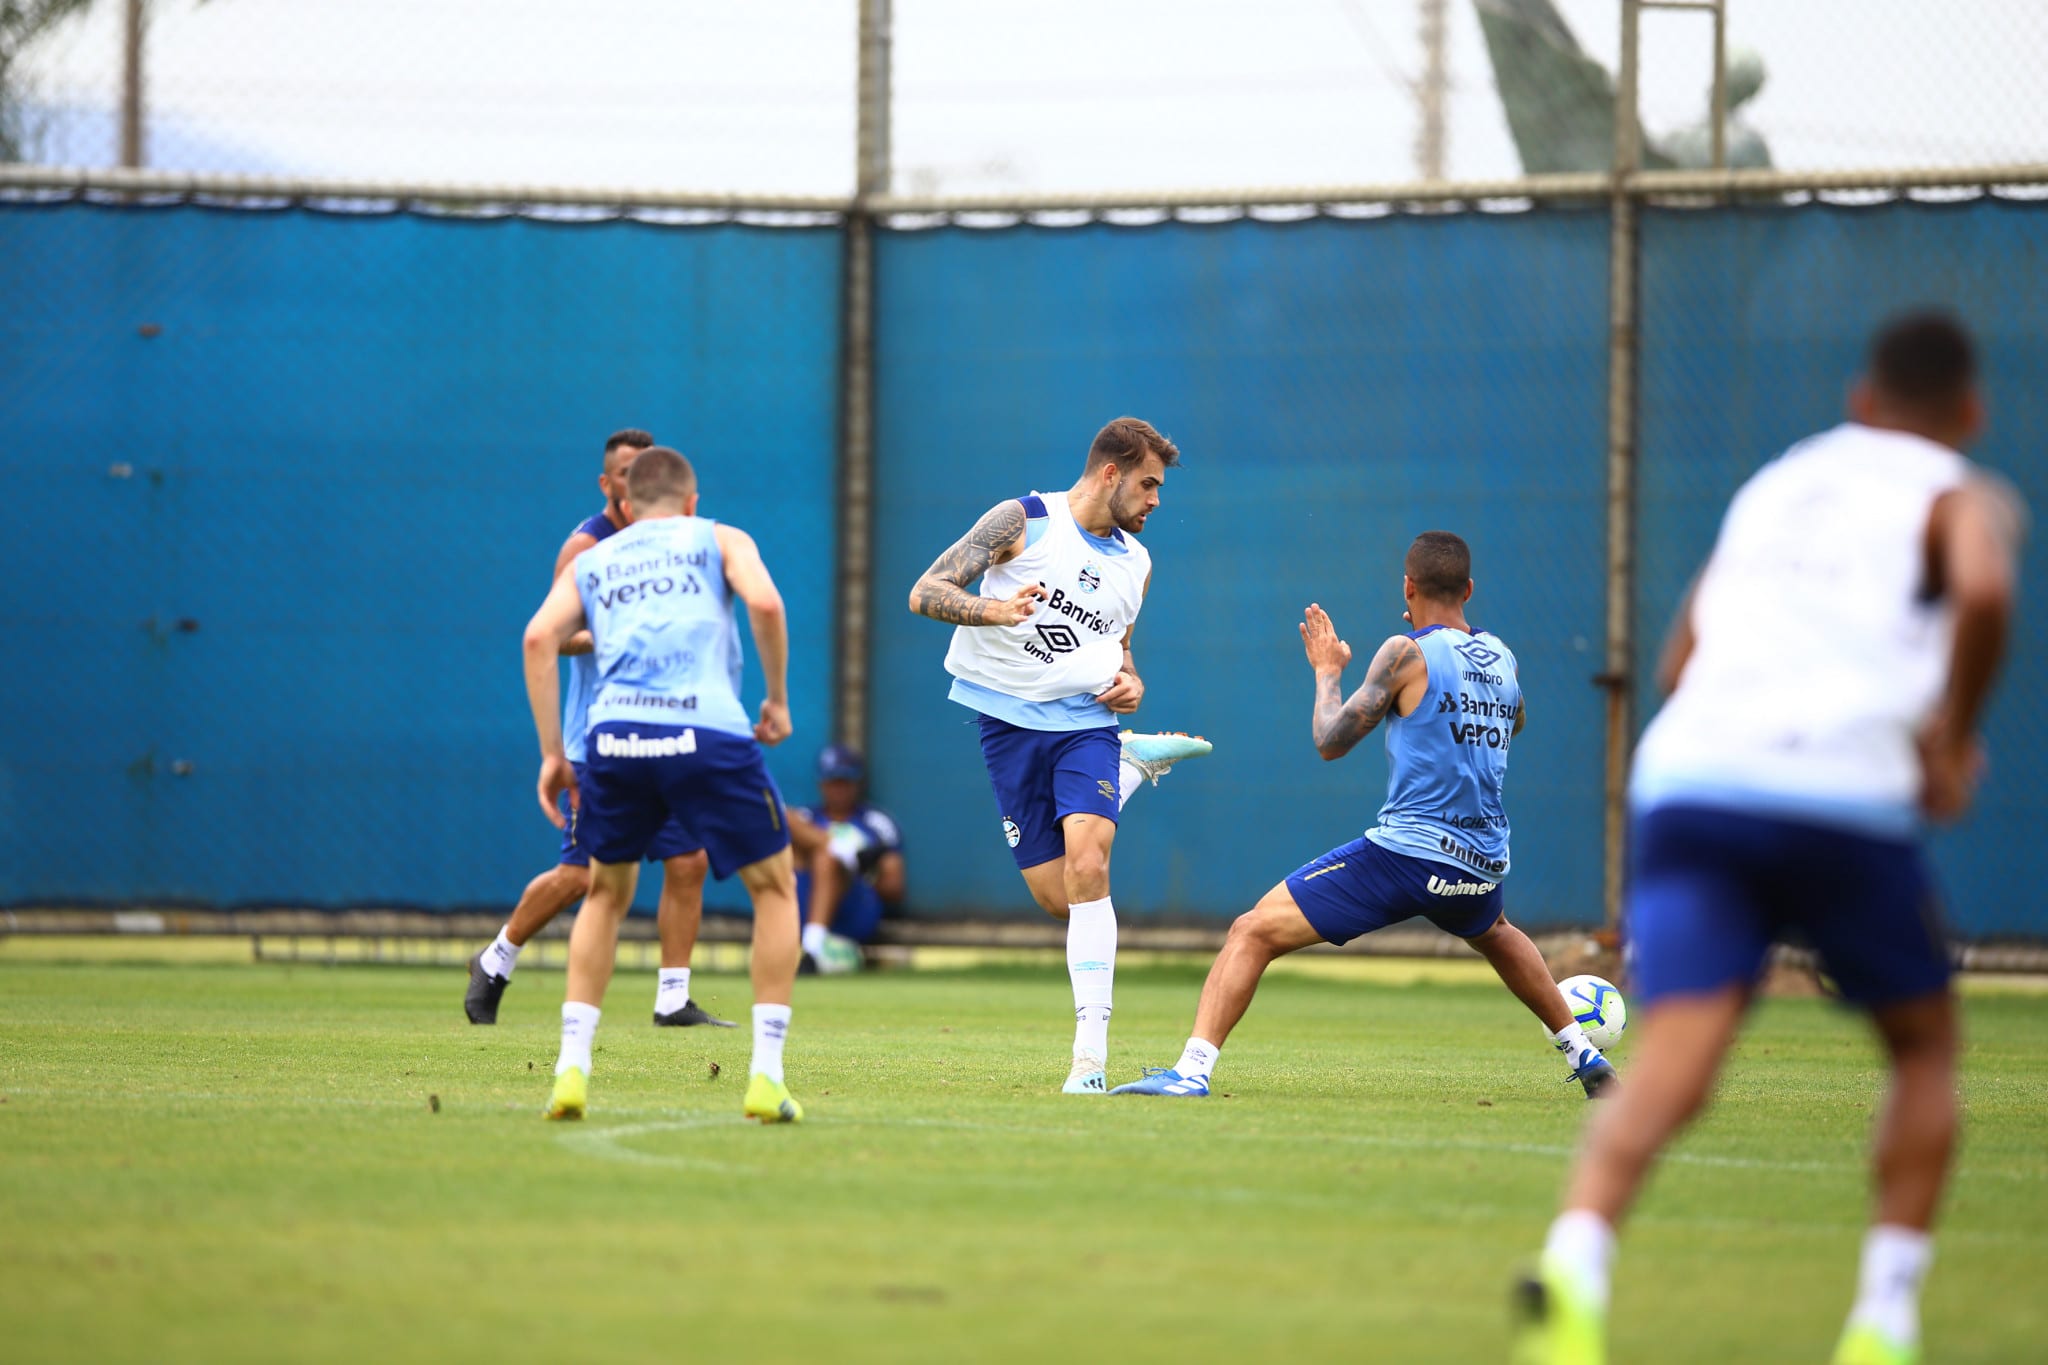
[(691, 1013), (485, 991)]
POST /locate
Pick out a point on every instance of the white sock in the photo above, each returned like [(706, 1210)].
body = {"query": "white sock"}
[(1571, 1040), (814, 939), (1129, 777), (1888, 1289), (1198, 1058), (1091, 967), (501, 957), (579, 1030), (1582, 1245), (771, 1027), (673, 990)]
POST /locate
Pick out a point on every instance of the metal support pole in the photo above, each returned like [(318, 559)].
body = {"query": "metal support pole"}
[(856, 481), (1619, 677), (856, 379), (131, 85), (1720, 100), (1432, 137)]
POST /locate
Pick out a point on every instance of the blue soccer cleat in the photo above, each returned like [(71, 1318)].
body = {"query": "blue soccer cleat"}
[(1164, 1080), (1595, 1073), (1153, 755)]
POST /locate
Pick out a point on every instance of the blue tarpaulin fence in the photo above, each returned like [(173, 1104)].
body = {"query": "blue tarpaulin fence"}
[(281, 488)]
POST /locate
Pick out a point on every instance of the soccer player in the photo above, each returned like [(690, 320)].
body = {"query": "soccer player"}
[(681, 911), (1452, 705), (1043, 654), (1826, 674), (669, 739)]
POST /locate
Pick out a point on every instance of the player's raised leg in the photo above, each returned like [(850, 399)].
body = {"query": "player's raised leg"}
[(1521, 968), (593, 947), (1270, 930), (1147, 758)]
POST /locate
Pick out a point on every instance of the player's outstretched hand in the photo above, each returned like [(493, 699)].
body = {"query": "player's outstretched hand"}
[(1326, 653), (1123, 695), (774, 726), (1949, 773), (1018, 606), (558, 775)]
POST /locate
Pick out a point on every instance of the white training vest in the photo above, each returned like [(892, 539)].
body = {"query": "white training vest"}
[(1815, 662), (1073, 644)]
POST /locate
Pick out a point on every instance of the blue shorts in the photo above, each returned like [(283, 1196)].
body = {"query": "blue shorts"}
[(672, 842), (1043, 776), (1358, 887), (1710, 890), (713, 786), (858, 914)]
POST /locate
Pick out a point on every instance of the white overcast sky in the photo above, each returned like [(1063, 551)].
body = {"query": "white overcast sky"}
[(991, 95)]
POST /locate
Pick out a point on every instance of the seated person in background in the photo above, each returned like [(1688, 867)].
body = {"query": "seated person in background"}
[(849, 864)]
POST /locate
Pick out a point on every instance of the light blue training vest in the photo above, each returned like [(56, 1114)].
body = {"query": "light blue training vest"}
[(660, 613), (1448, 758)]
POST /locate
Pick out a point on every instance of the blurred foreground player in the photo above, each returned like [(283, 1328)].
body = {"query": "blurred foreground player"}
[(1043, 654), (682, 875), (669, 739), (1826, 675), (1452, 704)]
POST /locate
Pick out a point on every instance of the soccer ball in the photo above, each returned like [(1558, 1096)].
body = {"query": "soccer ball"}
[(1597, 1006)]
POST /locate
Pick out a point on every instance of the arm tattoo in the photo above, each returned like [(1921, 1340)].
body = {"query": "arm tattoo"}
[(1337, 724), (942, 591)]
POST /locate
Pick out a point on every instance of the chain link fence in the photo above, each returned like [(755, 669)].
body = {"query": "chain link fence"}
[(1011, 98)]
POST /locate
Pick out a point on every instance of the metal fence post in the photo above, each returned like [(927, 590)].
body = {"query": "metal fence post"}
[(856, 379), (1619, 676)]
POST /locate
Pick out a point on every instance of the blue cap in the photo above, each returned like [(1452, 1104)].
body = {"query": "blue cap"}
[(838, 762)]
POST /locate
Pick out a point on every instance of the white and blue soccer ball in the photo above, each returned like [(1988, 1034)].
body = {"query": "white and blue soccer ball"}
[(1598, 1008)]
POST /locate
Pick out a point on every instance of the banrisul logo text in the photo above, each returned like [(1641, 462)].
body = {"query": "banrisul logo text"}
[(654, 575)]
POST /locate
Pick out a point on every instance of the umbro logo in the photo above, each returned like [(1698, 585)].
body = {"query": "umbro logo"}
[(1480, 655), (1060, 639)]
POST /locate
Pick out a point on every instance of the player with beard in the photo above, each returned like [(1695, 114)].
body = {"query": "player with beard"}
[(1043, 653)]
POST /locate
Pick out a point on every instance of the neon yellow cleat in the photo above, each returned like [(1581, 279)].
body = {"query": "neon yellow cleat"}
[(572, 1095), (1863, 1344), (770, 1102), (1558, 1323)]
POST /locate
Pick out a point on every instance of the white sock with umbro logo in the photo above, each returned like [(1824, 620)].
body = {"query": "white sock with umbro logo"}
[(1198, 1058), (1091, 969)]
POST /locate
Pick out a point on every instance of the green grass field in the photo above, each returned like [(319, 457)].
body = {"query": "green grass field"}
[(234, 1162)]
